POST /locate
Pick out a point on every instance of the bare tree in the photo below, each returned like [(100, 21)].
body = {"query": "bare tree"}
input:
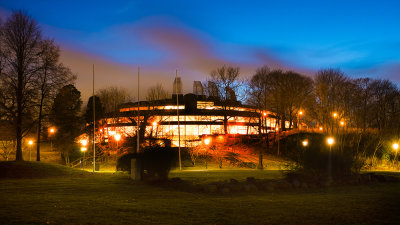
[(156, 92), (51, 76), (329, 96), (20, 38), (224, 84), (113, 96)]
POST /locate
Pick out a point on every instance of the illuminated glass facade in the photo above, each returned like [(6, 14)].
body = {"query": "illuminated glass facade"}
[(198, 116)]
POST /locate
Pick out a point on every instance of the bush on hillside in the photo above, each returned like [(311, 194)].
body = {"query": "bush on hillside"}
[(314, 158), (156, 162)]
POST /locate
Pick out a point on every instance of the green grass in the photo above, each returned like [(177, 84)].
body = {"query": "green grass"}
[(114, 199), (207, 176), (32, 169)]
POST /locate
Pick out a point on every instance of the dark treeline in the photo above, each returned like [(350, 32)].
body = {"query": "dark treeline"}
[(330, 100)]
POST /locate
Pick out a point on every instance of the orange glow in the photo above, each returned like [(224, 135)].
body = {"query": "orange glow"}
[(207, 141), (301, 112), (83, 149), (84, 142), (330, 141), (155, 123), (335, 115), (395, 146), (265, 114), (305, 143), (341, 123), (30, 142), (117, 137), (320, 129), (52, 130)]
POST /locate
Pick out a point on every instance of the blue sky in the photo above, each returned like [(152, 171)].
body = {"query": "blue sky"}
[(362, 38)]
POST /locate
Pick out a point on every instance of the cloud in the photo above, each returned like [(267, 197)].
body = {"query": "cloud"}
[(192, 52)]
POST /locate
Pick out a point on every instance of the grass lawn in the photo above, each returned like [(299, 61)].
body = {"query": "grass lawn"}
[(114, 199)]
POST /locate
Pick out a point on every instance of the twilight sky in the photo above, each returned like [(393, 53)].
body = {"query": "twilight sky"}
[(360, 37)]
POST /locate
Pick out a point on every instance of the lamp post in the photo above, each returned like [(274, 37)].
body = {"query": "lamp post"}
[(395, 147), (305, 143), (299, 119), (335, 115), (117, 137), (330, 142), (83, 149), (30, 142), (52, 130), (84, 143), (207, 142)]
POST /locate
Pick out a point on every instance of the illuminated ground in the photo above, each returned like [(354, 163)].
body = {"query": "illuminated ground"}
[(114, 199)]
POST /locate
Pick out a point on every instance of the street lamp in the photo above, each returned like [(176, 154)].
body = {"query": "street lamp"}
[(52, 130), (30, 142), (83, 149), (117, 137), (299, 119), (207, 142), (305, 143), (330, 142), (395, 147)]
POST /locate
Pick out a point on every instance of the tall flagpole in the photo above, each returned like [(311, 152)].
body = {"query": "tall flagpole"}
[(138, 115), (177, 112), (94, 127)]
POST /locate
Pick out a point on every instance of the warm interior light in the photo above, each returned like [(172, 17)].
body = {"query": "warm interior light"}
[(83, 149), (52, 130), (154, 123), (305, 143), (301, 112), (320, 128), (341, 123), (395, 146), (30, 142), (335, 115), (265, 114), (331, 141)]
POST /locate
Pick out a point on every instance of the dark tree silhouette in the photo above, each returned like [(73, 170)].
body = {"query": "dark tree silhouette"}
[(65, 116), (20, 41)]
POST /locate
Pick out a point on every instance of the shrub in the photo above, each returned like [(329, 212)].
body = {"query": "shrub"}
[(314, 158), (156, 162)]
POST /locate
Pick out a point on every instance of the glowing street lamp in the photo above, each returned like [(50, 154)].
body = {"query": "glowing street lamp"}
[(305, 143), (207, 141), (84, 142), (341, 123), (395, 147), (30, 142), (330, 142), (335, 115), (52, 130), (83, 149), (117, 137)]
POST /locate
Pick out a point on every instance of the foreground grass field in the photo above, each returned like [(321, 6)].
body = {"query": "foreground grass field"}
[(114, 199)]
